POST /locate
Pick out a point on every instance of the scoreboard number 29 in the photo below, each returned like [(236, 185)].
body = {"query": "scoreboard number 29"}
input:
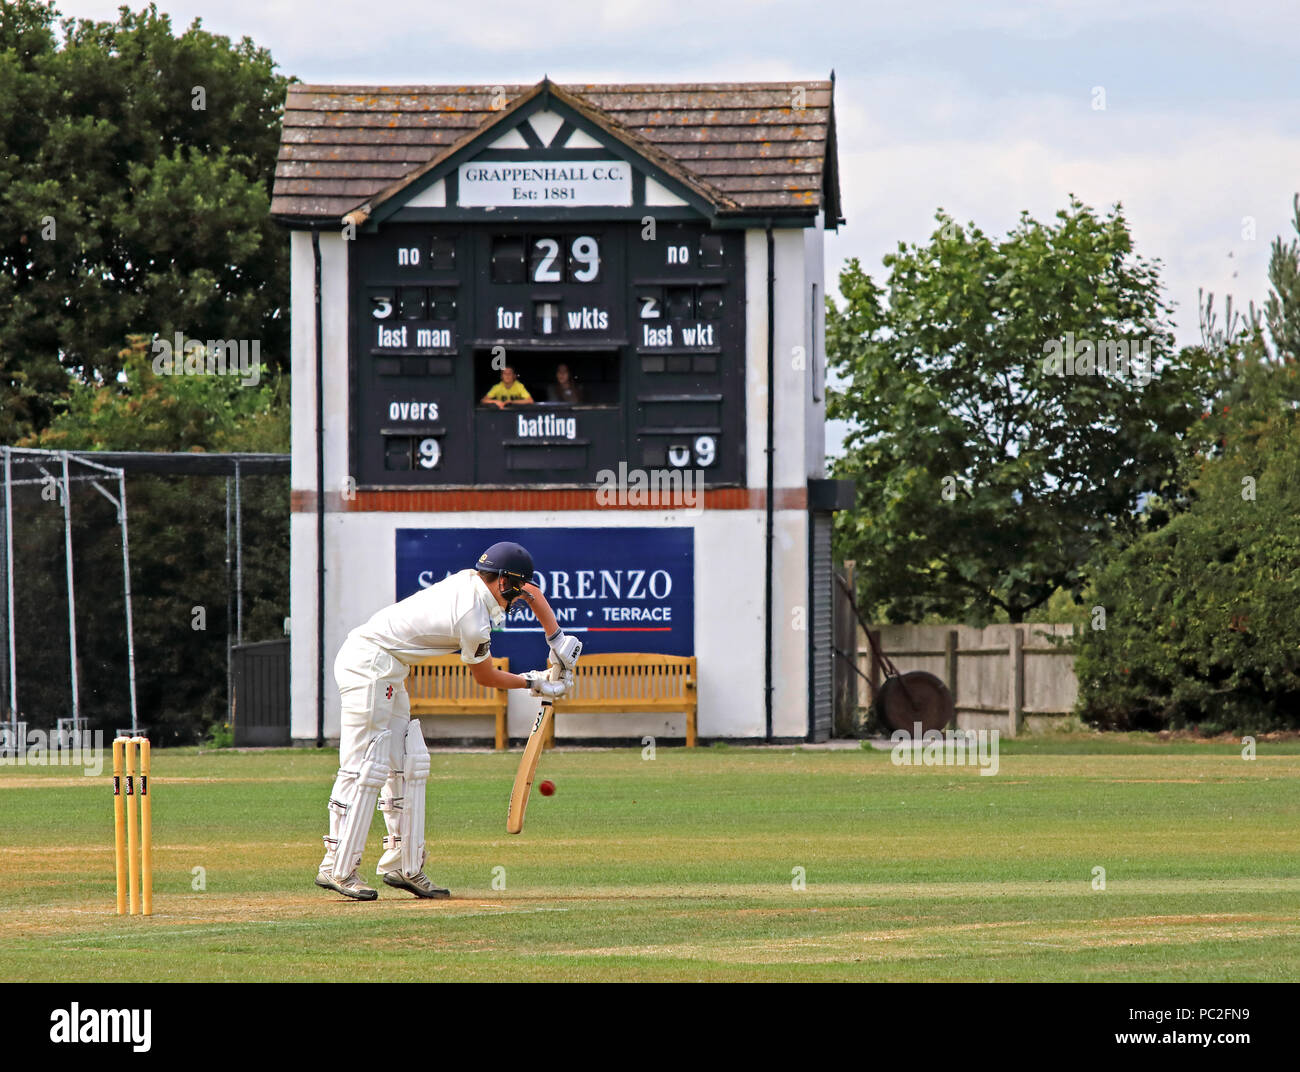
[(583, 252)]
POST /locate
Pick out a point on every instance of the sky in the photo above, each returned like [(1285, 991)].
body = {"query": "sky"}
[(985, 108)]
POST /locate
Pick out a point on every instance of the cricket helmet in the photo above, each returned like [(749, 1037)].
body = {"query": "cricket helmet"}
[(510, 561)]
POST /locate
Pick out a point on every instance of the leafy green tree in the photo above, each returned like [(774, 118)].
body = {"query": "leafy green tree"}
[(1282, 309), (1201, 626), (135, 175), (142, 410), (987, 475)]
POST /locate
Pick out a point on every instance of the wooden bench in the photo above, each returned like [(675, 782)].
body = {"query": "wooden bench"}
[(631, 682), (444, 685)]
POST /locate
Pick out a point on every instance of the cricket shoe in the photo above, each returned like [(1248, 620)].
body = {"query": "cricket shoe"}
[(417, 884), (352, 886)]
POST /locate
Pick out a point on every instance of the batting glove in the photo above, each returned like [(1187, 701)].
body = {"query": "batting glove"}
[(540, 684), (565, 648)]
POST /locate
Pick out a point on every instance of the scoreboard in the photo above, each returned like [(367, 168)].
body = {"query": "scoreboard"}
[(554, 315), (651, 332)]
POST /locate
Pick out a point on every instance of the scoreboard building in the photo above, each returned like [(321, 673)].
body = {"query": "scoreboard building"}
[(588, 319)]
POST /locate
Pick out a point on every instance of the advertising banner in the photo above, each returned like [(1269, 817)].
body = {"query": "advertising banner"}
[(616, 589)]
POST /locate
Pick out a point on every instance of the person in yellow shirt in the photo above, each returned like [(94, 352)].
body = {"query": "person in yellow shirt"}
[(508, 391)]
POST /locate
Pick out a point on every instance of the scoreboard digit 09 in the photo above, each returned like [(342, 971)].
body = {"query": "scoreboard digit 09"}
[(544, 353)]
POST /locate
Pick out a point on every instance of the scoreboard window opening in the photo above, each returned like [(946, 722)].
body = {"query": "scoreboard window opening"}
[(416, 303), (594, 378), (442, 254), (406, 453), (711, 251)]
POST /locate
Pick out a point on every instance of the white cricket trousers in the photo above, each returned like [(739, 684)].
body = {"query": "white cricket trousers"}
[(372, 686)]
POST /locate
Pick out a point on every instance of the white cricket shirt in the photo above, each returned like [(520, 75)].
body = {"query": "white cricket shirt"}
[(456, 614)]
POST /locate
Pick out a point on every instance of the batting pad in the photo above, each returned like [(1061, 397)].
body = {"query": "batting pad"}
[(411, 817), (361, 807)]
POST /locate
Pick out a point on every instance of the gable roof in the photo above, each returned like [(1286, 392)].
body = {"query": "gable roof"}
[(741, 147), (546, 94)]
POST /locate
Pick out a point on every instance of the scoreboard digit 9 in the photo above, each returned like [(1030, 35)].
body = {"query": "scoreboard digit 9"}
[(545, 352)]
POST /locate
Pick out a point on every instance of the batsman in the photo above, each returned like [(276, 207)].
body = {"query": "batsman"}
[(382, 754)]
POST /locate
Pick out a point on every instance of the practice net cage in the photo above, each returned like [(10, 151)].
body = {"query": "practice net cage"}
[(57, 675), (110, 627)]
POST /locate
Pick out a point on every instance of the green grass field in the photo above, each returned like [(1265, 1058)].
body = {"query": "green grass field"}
[(683, 868)]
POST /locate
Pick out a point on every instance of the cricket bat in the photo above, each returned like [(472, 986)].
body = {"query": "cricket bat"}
[(528, 764)]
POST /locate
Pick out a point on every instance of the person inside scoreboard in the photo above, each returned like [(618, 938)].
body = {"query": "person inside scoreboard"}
[(564, 389), (508, 391)]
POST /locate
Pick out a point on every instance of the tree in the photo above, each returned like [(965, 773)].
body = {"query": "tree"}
[(1012, 403), (1222, 653), (1282, 309), (143, 410), (135, 176)]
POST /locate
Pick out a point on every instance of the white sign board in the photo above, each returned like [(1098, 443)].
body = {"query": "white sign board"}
[(545, 184)]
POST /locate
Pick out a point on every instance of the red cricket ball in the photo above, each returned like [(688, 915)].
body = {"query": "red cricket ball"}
[(546, 788)]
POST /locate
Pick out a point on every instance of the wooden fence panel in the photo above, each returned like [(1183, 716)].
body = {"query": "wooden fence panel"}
[(1002, 676)]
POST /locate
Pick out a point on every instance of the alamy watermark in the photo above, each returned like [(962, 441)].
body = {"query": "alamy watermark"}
[(1120, 358), (113, 1026), (951, 748), (673, 488), (216, 357), (37, 748)]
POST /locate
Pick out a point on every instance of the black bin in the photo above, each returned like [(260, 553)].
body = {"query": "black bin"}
[(261, 700)]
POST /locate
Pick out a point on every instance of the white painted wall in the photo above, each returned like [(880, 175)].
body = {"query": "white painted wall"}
[(791, 464), (814, 246), (334, 313), (302, 528), (800, 423), (729, 556)]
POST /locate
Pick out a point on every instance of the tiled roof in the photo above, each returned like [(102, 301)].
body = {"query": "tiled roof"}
[(749, 142)]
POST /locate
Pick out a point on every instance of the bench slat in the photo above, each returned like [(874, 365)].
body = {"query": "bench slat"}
[(633, 682), (444, 685)]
